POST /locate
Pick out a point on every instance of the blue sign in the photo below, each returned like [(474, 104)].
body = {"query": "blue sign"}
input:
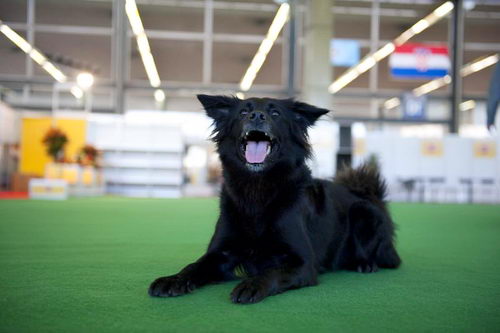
[(344, 52), (414, 106)]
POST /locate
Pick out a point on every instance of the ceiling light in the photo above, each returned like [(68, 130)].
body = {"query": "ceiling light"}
[(467, 105), (36, 55), (479, 64), (85, 80), (134, 17), (54, 71), (366, 64), (149, 65), (266, 45), (142, 43), (432, 85), (444, 9), (384, 51), (15, 38), (77, 92), (420, 26), (159, 95), (392, 103), (343, 80)]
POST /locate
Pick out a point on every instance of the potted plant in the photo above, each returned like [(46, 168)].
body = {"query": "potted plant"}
[(88, 155), (55, 140)]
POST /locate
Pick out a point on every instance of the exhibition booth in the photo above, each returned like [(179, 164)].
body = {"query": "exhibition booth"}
[(169, 155)]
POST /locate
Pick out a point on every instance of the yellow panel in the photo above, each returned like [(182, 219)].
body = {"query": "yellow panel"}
[(47, 189), (53, 171), (431, 148), (359, 147), (76, 130), (33, 155), (485, 149), (70, 174), (88, 176)]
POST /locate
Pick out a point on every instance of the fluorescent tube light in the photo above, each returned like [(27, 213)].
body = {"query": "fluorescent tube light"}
[(479, 64), (15, 38), (54, 71), (36, 55), (77, 92), (142, 43), (432, 85), (392, 103), (264, 48), (467, 105)]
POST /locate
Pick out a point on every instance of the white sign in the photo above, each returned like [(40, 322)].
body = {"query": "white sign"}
[(48, 189)]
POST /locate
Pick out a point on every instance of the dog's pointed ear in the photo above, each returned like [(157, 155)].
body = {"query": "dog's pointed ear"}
[(307, 112), (216, 107)]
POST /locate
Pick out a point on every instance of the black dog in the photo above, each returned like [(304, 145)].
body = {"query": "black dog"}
[(278, 226)]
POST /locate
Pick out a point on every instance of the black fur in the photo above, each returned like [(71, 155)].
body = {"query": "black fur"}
[(278, 226)]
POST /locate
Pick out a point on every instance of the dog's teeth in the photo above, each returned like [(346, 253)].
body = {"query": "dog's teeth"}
[(268, 149)]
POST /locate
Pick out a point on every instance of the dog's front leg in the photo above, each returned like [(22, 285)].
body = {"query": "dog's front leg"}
[(210, 268), (284, 260), (272, 282)]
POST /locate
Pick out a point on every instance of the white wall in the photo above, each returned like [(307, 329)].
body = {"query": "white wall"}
[(9, 124), (324, 141), (456, 159)]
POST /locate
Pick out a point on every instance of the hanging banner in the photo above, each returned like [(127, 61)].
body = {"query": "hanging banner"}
[(419, 61)]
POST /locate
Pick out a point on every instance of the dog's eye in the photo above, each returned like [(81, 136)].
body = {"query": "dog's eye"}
[(275, 113), (243, 112)]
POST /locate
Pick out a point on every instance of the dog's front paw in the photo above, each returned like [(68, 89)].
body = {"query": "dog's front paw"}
[(169, 286), (250, 291), (367, 267)]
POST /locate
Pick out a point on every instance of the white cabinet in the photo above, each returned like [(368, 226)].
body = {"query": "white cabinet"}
[(139, 159)]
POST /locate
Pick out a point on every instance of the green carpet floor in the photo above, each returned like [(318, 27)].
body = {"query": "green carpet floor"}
[(85, 265)]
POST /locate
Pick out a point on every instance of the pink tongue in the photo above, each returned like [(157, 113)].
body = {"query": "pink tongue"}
[(256, 151)]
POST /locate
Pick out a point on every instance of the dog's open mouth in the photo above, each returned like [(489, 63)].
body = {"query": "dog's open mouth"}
[(256, 146)]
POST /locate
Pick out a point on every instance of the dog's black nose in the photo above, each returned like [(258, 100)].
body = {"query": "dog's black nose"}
[(257, 115)]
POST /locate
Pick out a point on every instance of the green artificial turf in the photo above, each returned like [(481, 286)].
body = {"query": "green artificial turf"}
[(85, 265)]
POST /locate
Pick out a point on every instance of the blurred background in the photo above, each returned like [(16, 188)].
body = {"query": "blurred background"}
[(98, 97)]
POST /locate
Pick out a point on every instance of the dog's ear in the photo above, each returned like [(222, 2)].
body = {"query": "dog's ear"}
[(308, 113), (216, 107)]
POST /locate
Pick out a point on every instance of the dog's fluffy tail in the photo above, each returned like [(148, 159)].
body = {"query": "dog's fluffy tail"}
[(364, 181)]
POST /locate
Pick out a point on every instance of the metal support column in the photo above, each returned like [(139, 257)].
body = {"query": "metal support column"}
[(208, 41), (292, 49), (317, 67), (375, 109), (120, 27), (30, 35), (457, 42)]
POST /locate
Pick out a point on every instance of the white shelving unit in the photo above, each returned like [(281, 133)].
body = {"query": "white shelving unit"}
[(140, 159)]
